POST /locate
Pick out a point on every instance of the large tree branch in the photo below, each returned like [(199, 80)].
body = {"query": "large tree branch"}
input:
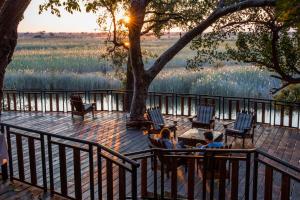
[(275, 90), (153, 24), (246, 22), (259, 62), (163, 20), (162, 13), (286, 82), (148, 29), (190, 35)]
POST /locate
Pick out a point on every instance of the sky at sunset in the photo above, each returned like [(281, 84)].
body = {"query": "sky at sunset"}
[(78, 22)]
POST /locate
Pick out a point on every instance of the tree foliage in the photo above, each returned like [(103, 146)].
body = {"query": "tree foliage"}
[(156, 16), (260, 38), (288, 11)]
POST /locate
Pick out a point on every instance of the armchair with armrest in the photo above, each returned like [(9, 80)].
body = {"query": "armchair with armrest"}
[(243, 127), (157, 120), (204, 118), (80, 108)]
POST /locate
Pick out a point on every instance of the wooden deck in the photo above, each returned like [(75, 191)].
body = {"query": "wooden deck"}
[(108, 128)]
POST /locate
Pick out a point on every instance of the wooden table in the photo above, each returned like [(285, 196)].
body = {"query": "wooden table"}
[(196, 135)]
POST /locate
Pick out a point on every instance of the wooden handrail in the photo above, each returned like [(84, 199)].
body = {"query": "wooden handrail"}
[(109, 150), (270, 111), (111, 157), (131, 163)]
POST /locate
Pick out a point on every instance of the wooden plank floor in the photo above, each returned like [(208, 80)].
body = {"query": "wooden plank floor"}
[(108, 128)]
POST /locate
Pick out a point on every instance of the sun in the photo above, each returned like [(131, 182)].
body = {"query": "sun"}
[(122, 17), (126, 19)]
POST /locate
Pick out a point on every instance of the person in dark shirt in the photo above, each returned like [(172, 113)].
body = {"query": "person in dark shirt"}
[(209, 139)]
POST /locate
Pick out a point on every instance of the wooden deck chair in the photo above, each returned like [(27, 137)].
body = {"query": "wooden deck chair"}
[(205, 117), (80, 108), (158, 122), (242, 127)]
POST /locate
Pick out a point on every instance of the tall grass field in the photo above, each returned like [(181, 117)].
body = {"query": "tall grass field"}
[(76, 63)]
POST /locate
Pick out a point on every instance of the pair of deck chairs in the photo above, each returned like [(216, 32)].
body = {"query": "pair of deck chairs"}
[(243, 126), (204, 119)]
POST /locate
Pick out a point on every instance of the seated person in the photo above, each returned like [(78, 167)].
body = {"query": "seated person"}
[(165, 138), (209, 139)]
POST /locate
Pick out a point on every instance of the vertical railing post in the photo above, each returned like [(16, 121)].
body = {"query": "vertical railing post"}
[(62, 93), (8, 101), (23, 101), (255, 175), (162, 176), (134, 182), (99, 166), (20, 100), (219, 107), (43, 162), (45, 101), (50, 163), (11, 169), (212, 178), (111, 101), (3, 107), (173, 101), (91, 171), (175, 104), (66, 98), (274, 119), (15, 102), (298, 117), (204, 175), (223, 107), (41, 100), (270, 115), (144, 180), (248, 102), (173, 178), (155, 176), (247, 182)]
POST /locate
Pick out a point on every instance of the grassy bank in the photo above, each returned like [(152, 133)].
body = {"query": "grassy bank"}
[(75, 63)]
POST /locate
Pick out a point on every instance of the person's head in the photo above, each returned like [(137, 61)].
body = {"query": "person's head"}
[(209, 137), (165, 133)]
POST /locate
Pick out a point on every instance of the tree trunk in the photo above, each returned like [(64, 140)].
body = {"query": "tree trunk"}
[(141, 80), (129, 86), (138, 104), (11, 13), (7, 47)]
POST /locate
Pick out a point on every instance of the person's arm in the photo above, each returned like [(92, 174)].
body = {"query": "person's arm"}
[(168, 144)]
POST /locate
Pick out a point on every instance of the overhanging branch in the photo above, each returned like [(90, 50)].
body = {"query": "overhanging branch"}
[(190, 35)]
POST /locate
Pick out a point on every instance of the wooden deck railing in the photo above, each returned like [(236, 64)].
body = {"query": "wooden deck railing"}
[(267, 111), (249, 171), (67, 166), (78, 169)]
